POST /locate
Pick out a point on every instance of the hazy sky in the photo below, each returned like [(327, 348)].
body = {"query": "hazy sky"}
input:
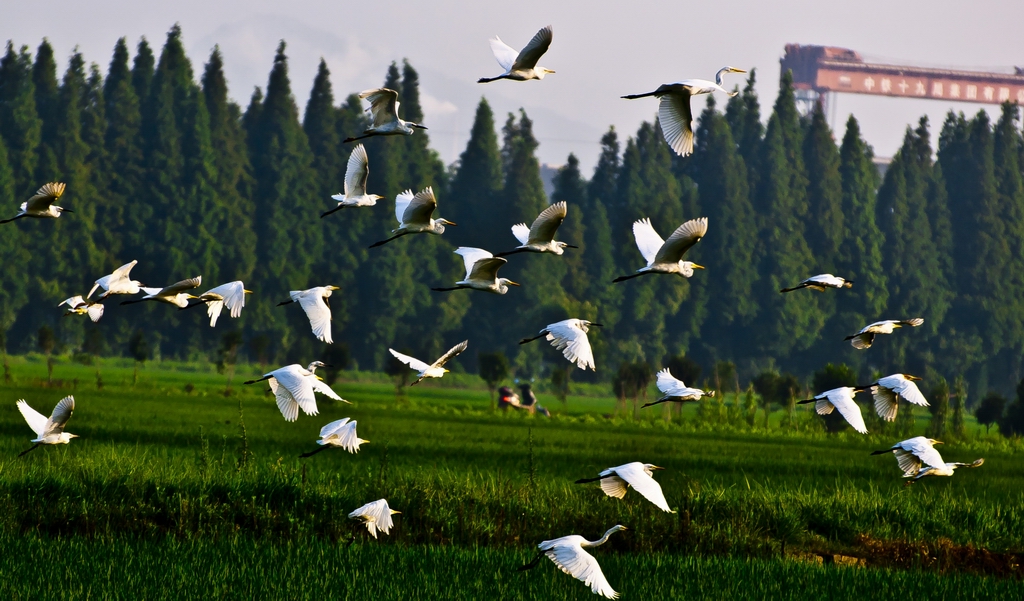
[(602, 49)]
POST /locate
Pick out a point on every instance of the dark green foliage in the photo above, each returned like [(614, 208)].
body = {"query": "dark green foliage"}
[(683, 368), (938, 405), (775, 388), (493, 368), (990, 409), (1012, 421)]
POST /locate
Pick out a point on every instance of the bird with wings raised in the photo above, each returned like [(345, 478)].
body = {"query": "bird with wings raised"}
[(615, 481), (673, 389), (49, 430), (540, 237), (414, 215), (294, 387), (376, 516), (674, 114), (435, 369), (176, 294), (521, 65), (356, 173), (230, 295), (666, 256), (314, 302), (118, 282), (918, 458), (888, 391), (481, 272), (866, 336), (41, 206), (570, 337), (384, 115)]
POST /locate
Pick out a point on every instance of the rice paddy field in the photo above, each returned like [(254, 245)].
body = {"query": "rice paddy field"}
[(177, 490)]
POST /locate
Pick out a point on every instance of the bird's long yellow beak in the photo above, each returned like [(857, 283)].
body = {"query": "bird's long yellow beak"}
[(512, 283), (319, 378), (695, 266), (447, 371), (739, 70), (655, 467), (913, 378), (247, 291), (393, 512)]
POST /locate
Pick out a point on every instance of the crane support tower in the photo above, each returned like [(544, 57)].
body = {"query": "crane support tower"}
[(819, 70)]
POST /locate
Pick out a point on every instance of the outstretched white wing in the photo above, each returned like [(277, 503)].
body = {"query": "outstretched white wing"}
[(412, 362), (676, 121), (60, 416), (73, 302), (887, 404), (923, 449), (544, 226), (575, 561), (667, 383), (612, 485), (472, 256), (681, 240), (420, 207), (333, 427), (45, 196), (528, 57), (299, 387), (521, 232), (356, 173), (452, 353), (503, 53), (383, 105), (95, 312), (319, 314), (842, 399), (182, 286), (569, 338), (322, 387), (636, 476), (401, 204), (647, 240), (37, 421)]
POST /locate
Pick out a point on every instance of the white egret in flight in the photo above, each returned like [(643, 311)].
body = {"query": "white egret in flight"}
[(117, 282), (841, 399), (340, 434), (673, 389), (674, 114), (522, 65), (41, 204), (615, 480), (375, 516), (230, 295), (173, 295), (355, 183), (314, 302), (665, 256), (918, 458), (384, 111), (866, 336), (414, 215), (294, 387), (481, 272), (570, 555), (570, 337), (49, 430), (540, 237), (821, 282), (435, 369), (80, 306), (889, 390)]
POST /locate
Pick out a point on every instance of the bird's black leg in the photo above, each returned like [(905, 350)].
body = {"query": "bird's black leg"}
[(383, 242), (532, 564), (311, 453), (525, 340), (31, 448), (260, 380), (334, 210)]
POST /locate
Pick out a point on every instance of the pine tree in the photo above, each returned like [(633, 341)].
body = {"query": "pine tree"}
[(1010, 190), (476, 187), (44, 79), (20, 125), (143, 69), (825, 224), (13, 282)]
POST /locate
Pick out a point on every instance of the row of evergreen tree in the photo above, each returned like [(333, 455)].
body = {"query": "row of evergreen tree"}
[(166, 169)]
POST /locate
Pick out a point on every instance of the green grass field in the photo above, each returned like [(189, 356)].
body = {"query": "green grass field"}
[(158, 479)]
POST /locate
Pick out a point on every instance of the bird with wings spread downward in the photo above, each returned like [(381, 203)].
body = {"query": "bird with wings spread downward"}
[(435, 369)]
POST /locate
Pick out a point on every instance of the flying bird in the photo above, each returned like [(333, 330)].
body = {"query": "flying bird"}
[(375, 516), (294, 387), (615, 480), (80, 306), (384, 111), (340, 434), (841, 399), (866, 336), (665, 256), (435, 369), (889, 390), (674, 113), (173, 295), (49, 430), (674, 390), (41, 204), (570, 555), (821, 282), (918, 458), (117, 282), (314, 302), (522, 65), (355, 183), (539, 237), (481, 272), (414, 215), (570, 337), (230, 295)]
